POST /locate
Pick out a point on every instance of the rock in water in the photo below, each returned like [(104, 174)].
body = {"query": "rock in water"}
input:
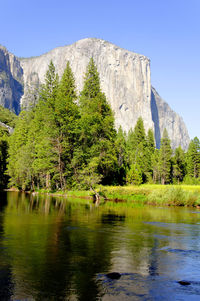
[(113, 275), (125, 80), (184, 282)]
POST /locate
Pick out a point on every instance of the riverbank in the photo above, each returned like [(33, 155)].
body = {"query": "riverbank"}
[(147, 194)]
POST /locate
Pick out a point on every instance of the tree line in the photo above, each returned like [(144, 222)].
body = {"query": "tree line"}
[(69, 141)]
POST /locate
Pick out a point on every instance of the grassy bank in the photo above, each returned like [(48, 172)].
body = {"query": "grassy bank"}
[(169, 195), (157, 195)]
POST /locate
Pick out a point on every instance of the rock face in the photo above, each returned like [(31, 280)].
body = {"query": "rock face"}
[(10, 130), (125, 76), (125, 79), (11, 81), (164, 117)]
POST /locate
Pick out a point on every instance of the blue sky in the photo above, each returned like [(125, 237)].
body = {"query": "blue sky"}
[(166, 31)]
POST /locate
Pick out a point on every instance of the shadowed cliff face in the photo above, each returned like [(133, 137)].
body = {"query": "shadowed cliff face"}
[(11, 81), (164, 117), (155, 118), (125, 80)]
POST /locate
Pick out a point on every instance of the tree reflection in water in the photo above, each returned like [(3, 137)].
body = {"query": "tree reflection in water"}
[(53, 248)]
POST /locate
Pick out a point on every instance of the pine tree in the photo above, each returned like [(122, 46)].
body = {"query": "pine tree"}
[(120, 146), (139, 132), (150, 150), (91, 88), (136, 148), (150, 141), (179, 165), (156, 166), (97, 128), (44, 131), (134, 175), (42, 137), (165, 158), (193, 158), (19, 165), (49, 90), (130, 147), (67, 117)]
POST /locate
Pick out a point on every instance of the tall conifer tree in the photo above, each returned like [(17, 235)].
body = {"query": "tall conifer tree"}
[(156, 166), (120, 146), (165, 158), (193, 158), (43, 131), (97, 127), (150, 150), (19, 161), (178, 165), (67, 117), (136, 148)]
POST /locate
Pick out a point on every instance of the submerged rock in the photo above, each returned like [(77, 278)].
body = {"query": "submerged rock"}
[(184, 282), (113, 275)]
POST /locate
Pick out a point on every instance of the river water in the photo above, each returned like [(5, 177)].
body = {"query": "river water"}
[(59, 249)]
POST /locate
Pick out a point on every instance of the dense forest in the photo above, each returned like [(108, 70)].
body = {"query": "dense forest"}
[(69, 141)]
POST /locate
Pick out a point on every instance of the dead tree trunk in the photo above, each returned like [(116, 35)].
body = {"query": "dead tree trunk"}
[(96, 196)]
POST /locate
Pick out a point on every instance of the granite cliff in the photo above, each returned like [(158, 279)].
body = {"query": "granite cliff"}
[(164, 117), (11, 81), (125, 79)]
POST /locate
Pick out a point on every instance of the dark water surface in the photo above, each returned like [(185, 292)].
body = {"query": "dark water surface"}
[(57, 249)]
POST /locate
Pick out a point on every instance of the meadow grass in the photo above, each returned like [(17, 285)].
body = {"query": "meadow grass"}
[(150, 194), (155, 194)]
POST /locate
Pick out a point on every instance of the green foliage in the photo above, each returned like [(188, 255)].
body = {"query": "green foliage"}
[(69, 141), (19, 161), (91, 87), (173, 196), (7, 117), (54, 129), (67, 121), (155, 166), (165, 158), (137, 149), (179, 165), (88, 176), (139, 132), (150, 157), (134, 176), (121, 151), (49, 89), (60, 144), (31, 152), (193, 158), (150, 141), (3, 162), (188, 180), (97, 133)]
